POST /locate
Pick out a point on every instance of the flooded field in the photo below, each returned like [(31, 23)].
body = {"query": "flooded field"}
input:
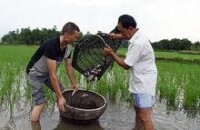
[(118, 116), (177, 88)]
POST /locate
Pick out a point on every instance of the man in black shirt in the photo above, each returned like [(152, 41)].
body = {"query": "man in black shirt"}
[(42, 67)]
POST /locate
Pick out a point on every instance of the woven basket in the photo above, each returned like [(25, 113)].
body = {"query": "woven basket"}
[(83, 107)]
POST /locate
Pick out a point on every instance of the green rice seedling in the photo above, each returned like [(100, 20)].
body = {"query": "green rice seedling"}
[(27, 92), (192, 93), (10, 91), (121, 80), (191, 98), (13, 61), (16, 54), (178, 83), (171, 56), (168, 89), (113, 84), (50, 96), (177, 55), (174, 78)]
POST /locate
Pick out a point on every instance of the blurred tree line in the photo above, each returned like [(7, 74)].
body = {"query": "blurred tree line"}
[(176, 45), (26, 36)]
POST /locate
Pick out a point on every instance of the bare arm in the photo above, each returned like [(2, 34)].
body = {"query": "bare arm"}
[(70, 74), (55, 84), (116, 36), (119, 60)]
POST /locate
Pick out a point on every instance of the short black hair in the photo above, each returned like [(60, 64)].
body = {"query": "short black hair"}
[(127, 21), (69, 28)]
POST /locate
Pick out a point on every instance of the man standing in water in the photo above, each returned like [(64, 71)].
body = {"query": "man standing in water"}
[(43, 65), (140, 60)]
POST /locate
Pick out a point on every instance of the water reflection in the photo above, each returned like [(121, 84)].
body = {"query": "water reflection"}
[(70, 126), (117, 116)]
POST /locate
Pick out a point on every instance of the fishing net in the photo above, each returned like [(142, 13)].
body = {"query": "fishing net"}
[(89, 59)]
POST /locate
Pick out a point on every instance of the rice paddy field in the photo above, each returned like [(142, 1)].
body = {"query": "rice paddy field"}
[(178, 87)]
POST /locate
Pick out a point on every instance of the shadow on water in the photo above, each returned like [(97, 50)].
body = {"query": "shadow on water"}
[(35, 125), (70, 126)]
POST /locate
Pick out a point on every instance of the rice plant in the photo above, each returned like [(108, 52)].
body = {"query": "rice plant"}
[(178, 83)]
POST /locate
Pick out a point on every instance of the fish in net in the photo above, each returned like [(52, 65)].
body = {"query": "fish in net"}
[(88, 57)]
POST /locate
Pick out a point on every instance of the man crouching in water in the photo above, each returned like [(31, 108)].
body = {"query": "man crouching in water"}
[(43, 65)]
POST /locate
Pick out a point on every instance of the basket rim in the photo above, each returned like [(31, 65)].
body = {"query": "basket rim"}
[(81, 109)]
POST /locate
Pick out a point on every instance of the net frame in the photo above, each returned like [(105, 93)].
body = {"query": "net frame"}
[(88, 57)]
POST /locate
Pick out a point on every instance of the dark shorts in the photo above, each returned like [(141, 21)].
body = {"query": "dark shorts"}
[(142, 100), (37, 84)]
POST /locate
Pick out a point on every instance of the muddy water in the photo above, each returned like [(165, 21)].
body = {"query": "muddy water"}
[(118, 116)]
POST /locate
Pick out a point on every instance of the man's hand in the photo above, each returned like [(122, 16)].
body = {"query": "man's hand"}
[(107, 50), (115, 36), (74, 91), (61, 104), (74, 86)]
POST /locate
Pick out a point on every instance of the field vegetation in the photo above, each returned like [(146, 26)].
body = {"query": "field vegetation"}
[(178, 82)]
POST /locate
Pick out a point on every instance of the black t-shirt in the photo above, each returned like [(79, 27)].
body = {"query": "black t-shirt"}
[(49, 49)]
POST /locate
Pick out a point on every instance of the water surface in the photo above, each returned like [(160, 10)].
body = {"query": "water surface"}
[(118, 116)]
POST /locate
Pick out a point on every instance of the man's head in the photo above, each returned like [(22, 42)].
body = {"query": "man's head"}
[(127, 26), (70, 31)]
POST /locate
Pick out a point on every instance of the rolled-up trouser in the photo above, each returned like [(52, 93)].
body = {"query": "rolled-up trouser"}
[(37, 83)]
